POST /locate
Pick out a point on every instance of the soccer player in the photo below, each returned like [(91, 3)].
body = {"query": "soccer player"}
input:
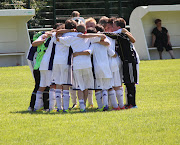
[(82, 68), (103, 74), (35, 55), (129, 58), (61, 69)]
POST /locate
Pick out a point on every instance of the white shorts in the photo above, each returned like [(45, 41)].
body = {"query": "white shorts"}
[(117, 79), (103, 83), (61, 74), (45, 78), (83, 79)]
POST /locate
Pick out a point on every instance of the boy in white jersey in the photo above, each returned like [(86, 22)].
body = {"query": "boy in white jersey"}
[(116, 67), (61, 69), (82, 67), (46, 72)]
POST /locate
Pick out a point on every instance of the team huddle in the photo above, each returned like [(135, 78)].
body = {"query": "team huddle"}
[(80, 56)]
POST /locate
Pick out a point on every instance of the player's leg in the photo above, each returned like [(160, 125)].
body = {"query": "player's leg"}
[(112, 97), (39, 99), (89, 84), (119, 96), (90, 98), (73, 97), (46, 98), (65, 98), (81, 101), (36, 74), (52, 97)]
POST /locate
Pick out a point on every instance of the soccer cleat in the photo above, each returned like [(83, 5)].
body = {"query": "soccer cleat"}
[(105, 108), (38, 110), (66, 111), (59, 111), (100, 110), (75, 106), (134, 107), (82, 110), (30, 109), (118, 108), (90, 106), (53, 111), (122, 108)]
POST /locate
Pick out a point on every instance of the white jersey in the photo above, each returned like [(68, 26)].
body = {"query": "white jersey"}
[(46, 58), (62, 51), (78, 45), (114, 62), (101, 60)]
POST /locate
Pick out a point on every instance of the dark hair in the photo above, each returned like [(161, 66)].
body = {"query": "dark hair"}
[(157, 21), (103, 21), (57, 25), (70, 24), (91, 30), (120, 22), (111, 20), (81, 28), (99, 28)]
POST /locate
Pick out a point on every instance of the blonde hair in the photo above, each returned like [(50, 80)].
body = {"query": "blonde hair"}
[(90, 20), (75, 14)]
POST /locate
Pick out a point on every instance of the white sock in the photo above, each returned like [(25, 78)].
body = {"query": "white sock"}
[(73, 96), (112, 96), (52, 99), (58, 99), (39, 100), (66, 99), (105, 97), (99, 99), (90, 97), (119, 95), (81, 104)]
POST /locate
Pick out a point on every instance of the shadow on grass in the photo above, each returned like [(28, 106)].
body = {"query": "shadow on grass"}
[(74, 111)]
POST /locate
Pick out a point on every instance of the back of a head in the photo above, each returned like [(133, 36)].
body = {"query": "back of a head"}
[(91, 20), (91, 30), (111, 20), (59, 26), (75, 14), (120, 22), (70, 24), (99, 28), (103, 21), (81, 28)]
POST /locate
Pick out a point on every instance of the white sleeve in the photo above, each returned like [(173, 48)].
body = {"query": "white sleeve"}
[(66, 40), (95, 39)]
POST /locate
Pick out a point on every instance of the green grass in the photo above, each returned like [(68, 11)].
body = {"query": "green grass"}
[(156, 121)]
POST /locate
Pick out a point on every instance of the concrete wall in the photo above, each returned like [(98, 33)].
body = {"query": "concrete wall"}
[(142, 24), (14, 36)]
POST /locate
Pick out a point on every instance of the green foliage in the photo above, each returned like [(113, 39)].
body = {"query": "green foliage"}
[(156, 121)]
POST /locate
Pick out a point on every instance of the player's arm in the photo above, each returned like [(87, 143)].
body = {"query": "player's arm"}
[(86, 52), (105, 43), (153, 40), (40, 41), (62, 31), (102, 36), (112, 35), (125, 31)]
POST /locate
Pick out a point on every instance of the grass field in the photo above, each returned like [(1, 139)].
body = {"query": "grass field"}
[(156, 121)]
